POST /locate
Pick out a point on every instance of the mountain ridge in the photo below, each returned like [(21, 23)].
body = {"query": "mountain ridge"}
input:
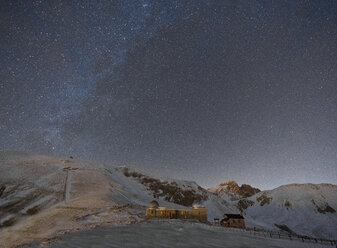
[(33, 195)]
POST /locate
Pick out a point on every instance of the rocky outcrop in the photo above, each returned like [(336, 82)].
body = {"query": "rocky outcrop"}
[(235, 191), (264, 199), (171, 192), (324, 208), (244, 204)]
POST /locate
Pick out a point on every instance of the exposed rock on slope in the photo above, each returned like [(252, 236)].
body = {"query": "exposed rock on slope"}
[(232, 189), (244, 204), (323, 207), (264, 199), (184, 195)]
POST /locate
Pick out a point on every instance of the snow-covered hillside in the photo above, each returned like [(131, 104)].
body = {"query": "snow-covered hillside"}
[(28, 184), (42, 196), (306, 209)]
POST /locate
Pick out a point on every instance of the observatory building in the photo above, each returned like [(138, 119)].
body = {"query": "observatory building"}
[(198, 212)]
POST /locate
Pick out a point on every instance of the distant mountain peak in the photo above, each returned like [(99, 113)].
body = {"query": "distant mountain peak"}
[(234, 190)]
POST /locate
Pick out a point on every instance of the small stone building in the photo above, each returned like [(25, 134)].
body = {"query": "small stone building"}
[(198, 212), (233, 220)]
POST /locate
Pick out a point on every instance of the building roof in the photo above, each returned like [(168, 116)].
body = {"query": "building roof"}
[(197, 206), (233, 216), (154, 204)]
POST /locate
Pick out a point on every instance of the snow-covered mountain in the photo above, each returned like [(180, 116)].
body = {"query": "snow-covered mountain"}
[(41, 196), (306, 209)]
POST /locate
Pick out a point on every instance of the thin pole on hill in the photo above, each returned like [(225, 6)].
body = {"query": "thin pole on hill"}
[(67, 187)]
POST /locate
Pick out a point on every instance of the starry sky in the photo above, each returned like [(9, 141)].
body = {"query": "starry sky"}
[(201, 90)]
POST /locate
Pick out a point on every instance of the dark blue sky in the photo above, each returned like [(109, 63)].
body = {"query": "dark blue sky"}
[(202, 90)]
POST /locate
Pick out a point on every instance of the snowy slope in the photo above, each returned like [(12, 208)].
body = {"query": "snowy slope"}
[(43, 195), (28, 184), (306, 209)]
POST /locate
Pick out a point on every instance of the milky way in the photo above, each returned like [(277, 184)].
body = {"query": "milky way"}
[(202, 90)]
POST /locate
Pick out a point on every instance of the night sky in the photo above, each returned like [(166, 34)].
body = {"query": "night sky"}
[(202, 90)]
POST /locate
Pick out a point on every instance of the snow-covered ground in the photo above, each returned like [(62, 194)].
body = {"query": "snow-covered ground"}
[(172, 234)]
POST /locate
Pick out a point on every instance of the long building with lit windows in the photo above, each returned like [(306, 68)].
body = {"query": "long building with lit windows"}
[(198, 212)]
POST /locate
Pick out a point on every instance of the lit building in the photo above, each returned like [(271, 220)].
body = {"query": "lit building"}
[(198, 212)]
